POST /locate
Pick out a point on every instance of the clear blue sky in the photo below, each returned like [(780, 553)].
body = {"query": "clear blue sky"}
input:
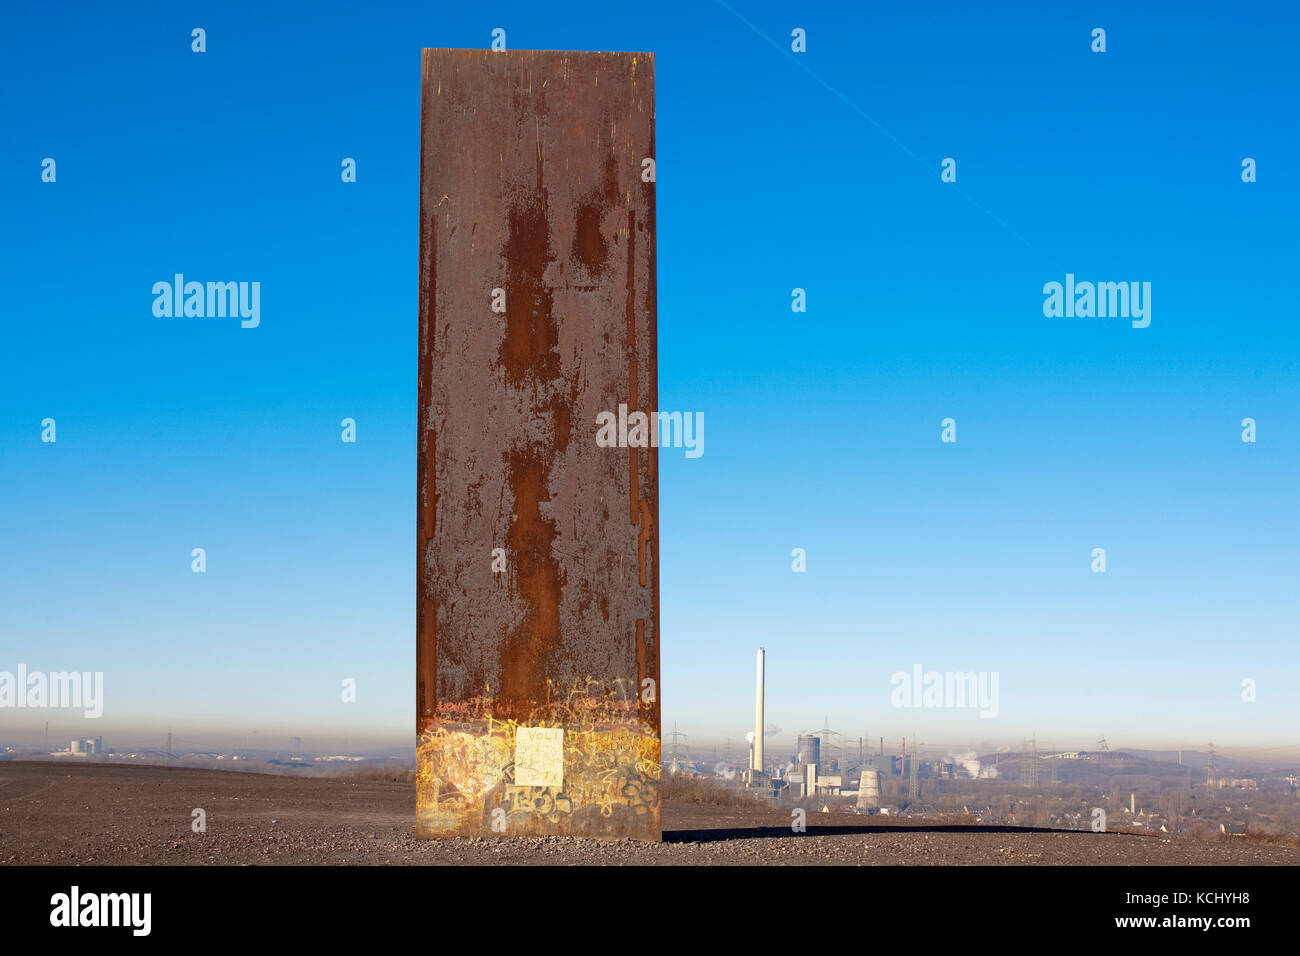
[(822, 429)]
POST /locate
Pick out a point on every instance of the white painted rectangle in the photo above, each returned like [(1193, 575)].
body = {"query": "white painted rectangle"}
[(539, 757)]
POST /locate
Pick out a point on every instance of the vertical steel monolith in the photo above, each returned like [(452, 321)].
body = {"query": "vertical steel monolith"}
[(537, 616)]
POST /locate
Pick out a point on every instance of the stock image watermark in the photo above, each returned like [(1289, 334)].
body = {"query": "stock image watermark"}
[(54, 690), (637, 429), (126, 910), (946, 689), (211, 300), (1101, 300)]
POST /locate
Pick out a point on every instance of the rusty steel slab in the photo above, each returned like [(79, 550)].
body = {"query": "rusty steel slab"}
[(538, 569)]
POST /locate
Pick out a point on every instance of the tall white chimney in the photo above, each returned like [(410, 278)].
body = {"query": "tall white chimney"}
[(757, 763)]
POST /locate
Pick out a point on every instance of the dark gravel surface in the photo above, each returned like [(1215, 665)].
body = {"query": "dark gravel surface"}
[(56, 813)]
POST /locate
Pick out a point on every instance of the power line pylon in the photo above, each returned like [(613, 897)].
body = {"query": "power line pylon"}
[(913, 775), (824, 767), (1029, 764), (673, 767)]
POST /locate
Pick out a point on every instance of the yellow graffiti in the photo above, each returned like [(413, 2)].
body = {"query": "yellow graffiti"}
[(465, 765)]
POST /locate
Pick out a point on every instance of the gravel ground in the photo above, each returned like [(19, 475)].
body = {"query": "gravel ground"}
[(53, 813)]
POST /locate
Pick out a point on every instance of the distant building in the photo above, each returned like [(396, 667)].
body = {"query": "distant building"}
[(884, 764), (829, 784), (869, 790), (809, 751)]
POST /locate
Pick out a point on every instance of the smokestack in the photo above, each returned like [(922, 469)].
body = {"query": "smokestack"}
[(757, 762)]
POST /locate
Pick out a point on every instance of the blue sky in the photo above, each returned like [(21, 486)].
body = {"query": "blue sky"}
[(822, 428)]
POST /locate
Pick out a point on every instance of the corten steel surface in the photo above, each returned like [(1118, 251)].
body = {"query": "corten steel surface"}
[(538, 696)]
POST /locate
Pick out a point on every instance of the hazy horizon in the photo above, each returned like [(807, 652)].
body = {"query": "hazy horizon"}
[(704, 747)]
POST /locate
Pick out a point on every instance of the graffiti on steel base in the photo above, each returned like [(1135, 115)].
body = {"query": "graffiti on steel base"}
[(573, 763)]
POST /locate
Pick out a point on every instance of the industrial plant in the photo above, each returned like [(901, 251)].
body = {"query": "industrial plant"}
[(1031, 785), (813, 771)]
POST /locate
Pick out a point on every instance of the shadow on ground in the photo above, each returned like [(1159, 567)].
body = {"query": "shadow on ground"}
[(783, 832)]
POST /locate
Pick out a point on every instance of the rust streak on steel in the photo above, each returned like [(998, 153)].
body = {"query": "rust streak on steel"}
[(537, 609), (426, 472)]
